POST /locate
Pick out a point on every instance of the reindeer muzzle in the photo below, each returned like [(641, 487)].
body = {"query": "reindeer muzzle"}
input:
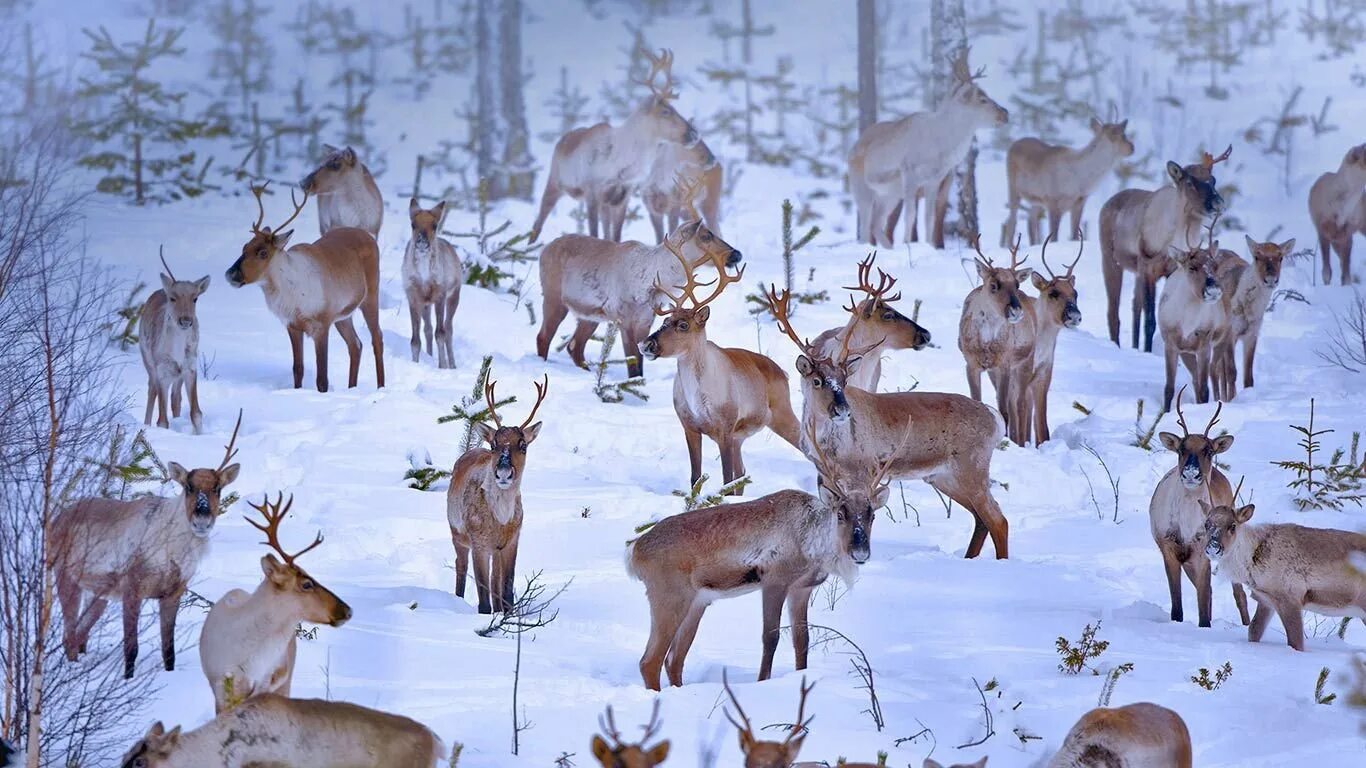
[(734, 258), (503, 472), (1071, 316), (1212, 292), (691, 137), (1014, 312), (922, 338), (234, 275), (341, 615), (1002, 115), (651, 347), (839, 405), (185, 322), (1214, 203), (1190, 476), (306, 183), (1214, 550), (859, 548)]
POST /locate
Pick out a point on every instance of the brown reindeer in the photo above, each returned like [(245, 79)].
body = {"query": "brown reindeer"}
[(602, 165), (315, 286), (929, 763), (601, 281), (616, 753), (724, 393), (874, 324), (432, 277), (665, 201), (1139, 226), (996, 334), (1055, 309), (1176, 518), (1290, 568), (893, 161), (249, 640), (1055, 179), (168, 338), (346, 192), (952, 440), (1247, 290), (272, 730), (769, 754), (1138, 735), (1193, 319), (143, 549), (484, 504), (1337, 206), (784, 544)]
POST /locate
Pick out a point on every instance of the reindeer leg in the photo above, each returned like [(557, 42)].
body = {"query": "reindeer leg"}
[(427, 323), (941, 209), (1345, 278), (1012, 216), (507, 585), (1169, 390), (163, 395), (320, 341), (89, 618), (667, 611), (975, 382), (1171, 564), (169, 605), (1140, 287), (1249, 354), (694, 441), (1054, 220), (972, 490), (1292, 619), (727, 457), (482, 565), (151, 398), (908, 208), (69, 598), (1326, 255), (445, 353), (369, 309), (497, 578), (553, 312), (798, 603), (196, 415), (175, 397), (448, 325), (348, 333), (1197, 569), (592, 202), (131, 609), (887, 222), (462, 561), (1114, 286), (1150, 315), (578, 342), (296, 346), (737, 462), (682, 641), (1240, 600), (415, 311), (1077, 208), (773, 596), (1035, 221), (1260, 620)]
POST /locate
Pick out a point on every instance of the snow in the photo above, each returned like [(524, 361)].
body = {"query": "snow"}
[(929, 621)]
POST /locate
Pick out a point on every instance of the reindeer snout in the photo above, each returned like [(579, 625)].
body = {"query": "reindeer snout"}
[(1190, 476), (341, 615), (234, 276), (1002, 115), (651, 347), (859, 548), (839, 406), (734, 258), (1215, 203), (690, 136), (922, 339), (1014, 312), (1071, 318), (306, 183), (1212, 291), (1213, 550), (185, 322)]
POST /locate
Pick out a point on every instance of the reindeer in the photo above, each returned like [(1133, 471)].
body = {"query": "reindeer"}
[(724, 393), (784, 544), (432, 277), (873, 324), (893, 160), (618, 754), (952, 441), (1141, 735), (310, 287), (1247, 290), (996, 334), (248, 643), (1289, 567), (1055, 179), (1175, 516), (1055, 309), (143, 549), (929, 763), (168, 338), (601, 281), (346, 192), (1193, 319), (276, 730), (1138, 226), (484, 504), (1337, 206), (769, 754), (602, 165), (661, 193)]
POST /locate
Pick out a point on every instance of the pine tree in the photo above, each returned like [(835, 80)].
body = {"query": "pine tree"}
[(242, 57), (138, 134)]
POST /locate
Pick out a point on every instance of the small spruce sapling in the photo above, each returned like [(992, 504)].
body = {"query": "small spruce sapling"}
[(124, 328), (473, 409), (1331, 485), (491, 252), (791, 245), (422, 474), (1081, 656), (1212, 682), (614, 391), (1319, 696)]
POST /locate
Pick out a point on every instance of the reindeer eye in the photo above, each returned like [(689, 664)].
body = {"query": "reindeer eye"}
[(1052, 294), (995, 286), (889, 315), (683, 326), (261, 254), (817, 383)]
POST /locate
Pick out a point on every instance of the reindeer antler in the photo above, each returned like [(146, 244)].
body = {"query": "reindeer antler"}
[(688, 291), (230, 450), (781, 305), (274, 514), (800, 726), (541, 389), (491, 400), (880, 472), (747, 729), (261, 209), (686, 190), (885, 282), (652, 727), (1043, 256), (161, 254), (824, 466), (1209, 161), (976, 242), (663, 63), (1215, 418), (959, 64), (1180, 414)]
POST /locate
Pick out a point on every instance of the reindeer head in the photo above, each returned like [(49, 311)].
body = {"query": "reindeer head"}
[(332, 172), (1354, 160), (616, 754), (656, 115), (823, 377), (1059, 292), (510, 443), (855, 506), (1222, 524), (685, 320), (1197, 269), (1195, 452), (1197, 184), (154, 749), (426, 224), (203, 487), (899, 331), (1267, 258), (309, 600), (970, 95), (1114, 135), (264, 242), (181, 295), (1002, 284), (769, 754)]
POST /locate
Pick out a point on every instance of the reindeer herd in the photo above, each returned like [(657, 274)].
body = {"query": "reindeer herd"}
[(858, 437)]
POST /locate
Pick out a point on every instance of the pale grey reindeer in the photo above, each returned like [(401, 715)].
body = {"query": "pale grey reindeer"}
[(1337, 204), (432, 277), (1055, 179), (347, 194), (168, 338), (142, 549), (1248, 289)]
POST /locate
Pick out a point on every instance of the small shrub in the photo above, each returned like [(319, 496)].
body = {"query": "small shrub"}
[(1081, 656), (1319, 696), (1331, 485), (1212, 682)]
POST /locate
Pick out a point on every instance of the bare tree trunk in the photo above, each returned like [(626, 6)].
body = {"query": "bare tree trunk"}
[(487, 110), (44, 618), (948, 36), (516, 152), (867, 63)]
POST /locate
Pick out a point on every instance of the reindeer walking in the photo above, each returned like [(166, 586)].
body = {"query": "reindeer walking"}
[(997, 334), (724, 393), (249, 640), (347, 194), (311, 287), (1055, 309), (874, 324), (143, 549), (432, 277), (168, 338), (1054, 179), (602, 165)]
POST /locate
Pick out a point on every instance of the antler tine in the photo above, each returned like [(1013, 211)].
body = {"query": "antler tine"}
[(1215, 419), (541, 389), (274, 514), (691, 284), (1239, 488), (780, 302), (824, 466), (687, 192), (880, 472), (1014, 254), (260, 206), (1043, 255), (230, 450), (1180, 414), (609, 726), (1081, 246), (747, 728), (800, 725), (846, 352), (976, 242), (652, 726), (298, 208), (885, 282), (492, 401), (161, 254)]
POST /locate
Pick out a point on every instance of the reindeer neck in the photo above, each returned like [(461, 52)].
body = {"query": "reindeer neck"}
[(1046, 324), (631, 149), (257, 608), (1237, 563), (1095, 160)]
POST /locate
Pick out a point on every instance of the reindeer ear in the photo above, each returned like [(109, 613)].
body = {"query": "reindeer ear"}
[(486, 431), (880, 498), (702, 315), (440, 212), (1287, 246), (177, 472), (601, 750), (851, 365), (328, 149), (271, 568), (172, 738), (1243, 514), (1039, 282), (1205, 508), (228, 474), (980, 763), (1123, 126), (167, 284), (804, 366), (829, 497), (1022, 275), (1096, 125), (531, 432), (349, 156), (687, 231), (794, 748), (658, 753), (1222, 443), (1251, 244), (201, 285), (1169, 441), (413, 208), (1176, 172), (157, 729), (983, 271), (932, 763), (282, 239), (746, 742)]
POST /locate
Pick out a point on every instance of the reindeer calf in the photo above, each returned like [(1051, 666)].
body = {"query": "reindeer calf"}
[(1193, 320), (1337, 205), (1138, 735), (1247, 293), (432, 277), (168, 338)]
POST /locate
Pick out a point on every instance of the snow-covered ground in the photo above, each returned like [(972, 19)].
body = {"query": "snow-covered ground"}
[(929, 621)]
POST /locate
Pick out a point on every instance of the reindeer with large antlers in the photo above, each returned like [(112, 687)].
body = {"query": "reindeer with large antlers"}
[(1139, 226), (1055, 309), (142, 549), (996, 334), (614, 752), (725, 393), (874, 325), (769, 754), (484, 504), (951, 443), (313, 287), (603, 164), (893, 161), (784, 544), (248, 643), (1178, 522)]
